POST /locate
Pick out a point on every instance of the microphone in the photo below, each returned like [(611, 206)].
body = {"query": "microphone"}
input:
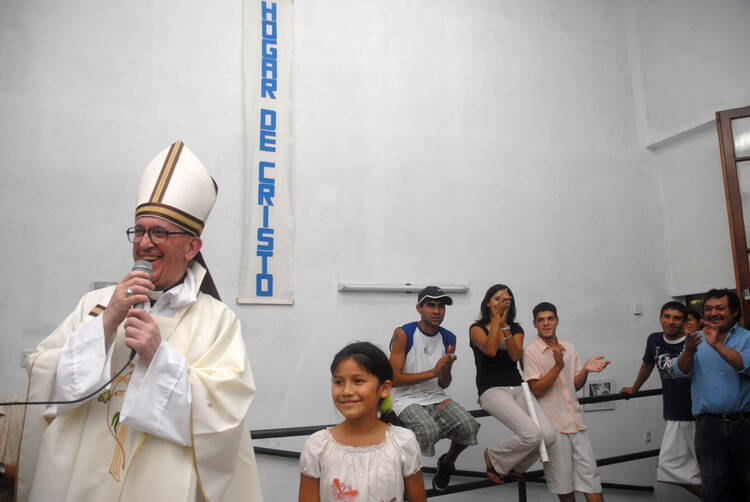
[(144, 266)]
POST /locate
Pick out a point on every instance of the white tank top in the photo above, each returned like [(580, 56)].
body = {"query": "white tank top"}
[(423, 355)]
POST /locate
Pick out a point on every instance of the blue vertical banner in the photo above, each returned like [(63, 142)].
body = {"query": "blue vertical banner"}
[(266, 271)]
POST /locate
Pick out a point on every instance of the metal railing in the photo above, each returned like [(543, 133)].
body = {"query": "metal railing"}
[(528, 477)]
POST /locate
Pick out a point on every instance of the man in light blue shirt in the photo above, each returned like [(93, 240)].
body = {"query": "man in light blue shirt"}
[(720, 390)]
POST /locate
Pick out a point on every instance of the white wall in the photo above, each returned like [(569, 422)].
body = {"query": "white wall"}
[(472, 142), (89, 93), (691, 60), (695, 213), (688, 62)]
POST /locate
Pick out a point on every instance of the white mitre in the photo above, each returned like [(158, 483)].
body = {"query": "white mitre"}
[(177, 188)]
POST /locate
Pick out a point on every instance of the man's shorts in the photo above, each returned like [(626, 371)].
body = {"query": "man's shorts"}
[(432, 422), (677, 460), (572, 465)]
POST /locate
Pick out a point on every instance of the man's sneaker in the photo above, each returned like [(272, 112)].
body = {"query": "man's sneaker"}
[(443, 475)]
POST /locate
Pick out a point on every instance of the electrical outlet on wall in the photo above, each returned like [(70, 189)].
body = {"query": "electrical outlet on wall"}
[(647, 437)]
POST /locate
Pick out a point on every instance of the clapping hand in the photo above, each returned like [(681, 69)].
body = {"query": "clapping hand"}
[(499, 309), (710, 332), (596, 364), (692, 341), (558, 352), (445, 363)]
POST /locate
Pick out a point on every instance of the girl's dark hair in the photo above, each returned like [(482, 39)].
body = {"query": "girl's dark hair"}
[(484, 311), (368, 356)]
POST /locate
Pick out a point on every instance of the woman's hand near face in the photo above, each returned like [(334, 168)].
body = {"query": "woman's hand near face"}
[(500, 307), (505, 301)]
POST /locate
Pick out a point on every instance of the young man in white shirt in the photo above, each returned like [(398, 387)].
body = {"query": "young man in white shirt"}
[(422, 355)]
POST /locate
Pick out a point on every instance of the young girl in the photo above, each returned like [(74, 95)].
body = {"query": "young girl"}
[(362, 458)]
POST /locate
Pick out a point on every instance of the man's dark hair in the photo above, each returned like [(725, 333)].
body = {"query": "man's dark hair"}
[(673, 306), (544, 307), (732, 299)]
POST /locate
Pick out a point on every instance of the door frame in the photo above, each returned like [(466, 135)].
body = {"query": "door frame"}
[(734, 203)]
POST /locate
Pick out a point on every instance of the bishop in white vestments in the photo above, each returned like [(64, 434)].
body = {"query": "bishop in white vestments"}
[(171, 427)]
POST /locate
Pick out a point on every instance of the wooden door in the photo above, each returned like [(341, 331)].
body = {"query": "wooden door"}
[(734, 143)]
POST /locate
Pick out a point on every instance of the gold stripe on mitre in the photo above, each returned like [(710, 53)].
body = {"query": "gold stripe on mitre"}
[(177, 188), (166, 172), (171, 214)]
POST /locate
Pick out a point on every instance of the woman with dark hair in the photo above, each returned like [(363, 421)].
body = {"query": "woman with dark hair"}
[(692, 322), (497, 342)]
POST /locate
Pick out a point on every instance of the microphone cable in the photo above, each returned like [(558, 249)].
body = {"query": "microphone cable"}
[(84, 398), (143, 266)]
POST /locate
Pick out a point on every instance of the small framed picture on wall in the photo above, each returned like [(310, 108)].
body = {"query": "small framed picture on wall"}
[(600, 388)]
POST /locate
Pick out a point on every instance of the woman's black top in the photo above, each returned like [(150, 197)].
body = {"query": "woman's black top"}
[(498, 371)]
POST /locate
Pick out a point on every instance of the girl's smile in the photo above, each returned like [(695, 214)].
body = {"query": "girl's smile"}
[(356, 392)]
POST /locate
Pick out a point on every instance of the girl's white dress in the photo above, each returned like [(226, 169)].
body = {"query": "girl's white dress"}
[(362, 474)]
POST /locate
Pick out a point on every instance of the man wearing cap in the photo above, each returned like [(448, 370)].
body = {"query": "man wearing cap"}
[(172, 426), (422, 355)]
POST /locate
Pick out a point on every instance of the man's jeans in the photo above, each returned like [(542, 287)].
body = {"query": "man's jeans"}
[(723, 449)]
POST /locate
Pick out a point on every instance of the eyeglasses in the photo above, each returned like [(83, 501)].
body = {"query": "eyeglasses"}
[(156, 235)]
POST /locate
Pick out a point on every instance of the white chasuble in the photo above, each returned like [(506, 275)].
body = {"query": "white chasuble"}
[(87, 454)]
